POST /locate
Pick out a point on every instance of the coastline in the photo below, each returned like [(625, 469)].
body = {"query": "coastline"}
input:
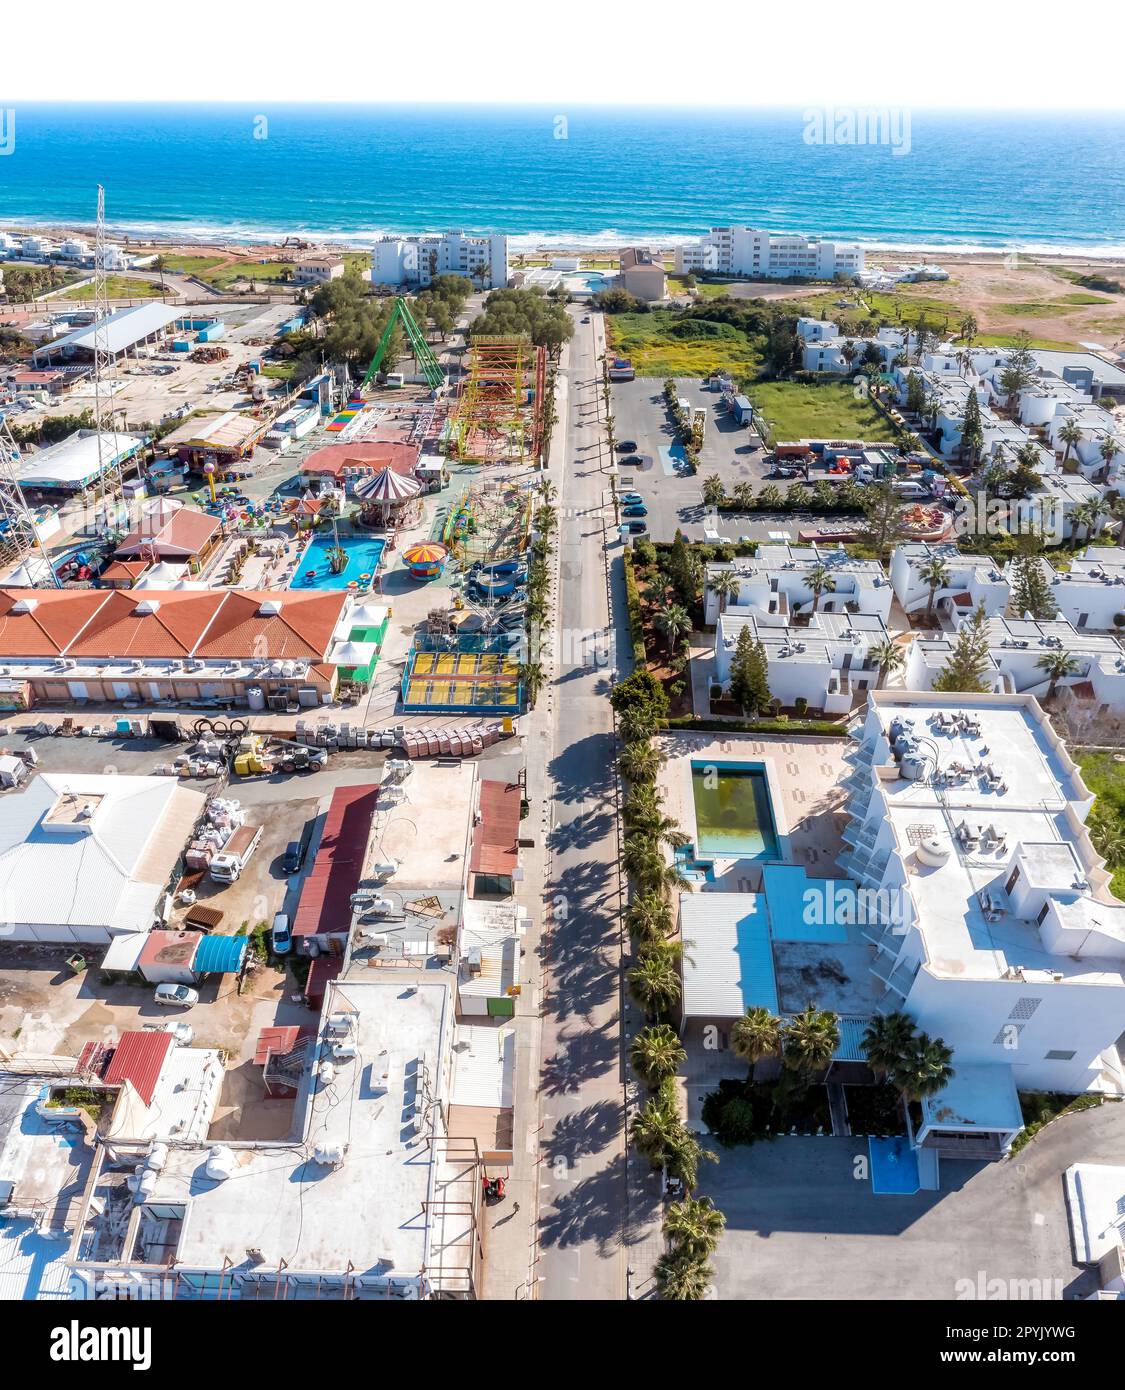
[(234, 239)]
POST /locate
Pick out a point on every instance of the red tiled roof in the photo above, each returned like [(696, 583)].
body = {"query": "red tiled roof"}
[(301, 630), (139, 1059), (124, 626), (125, 569), (495, 848), (58, 616), (171, 533), (963, 600), (324, 904), (371, 453)]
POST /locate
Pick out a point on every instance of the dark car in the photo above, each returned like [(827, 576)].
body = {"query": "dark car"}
[(627, 446), (637, 509), (637, 528), (633, 461), (294, 857)]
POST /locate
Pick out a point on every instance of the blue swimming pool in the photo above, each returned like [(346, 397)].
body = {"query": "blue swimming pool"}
[(733, 812), (894, 1167), (363, 552)]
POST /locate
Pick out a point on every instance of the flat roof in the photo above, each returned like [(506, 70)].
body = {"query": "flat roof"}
[(1043, 791), (368, 1212), (75, 459), (978, 1096)]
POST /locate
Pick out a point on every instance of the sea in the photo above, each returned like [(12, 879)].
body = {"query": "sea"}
[(922, 180)]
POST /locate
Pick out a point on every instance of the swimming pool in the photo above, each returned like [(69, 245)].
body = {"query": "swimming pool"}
[(363, 552), (585, 281), (894, 1167), (733, 813)]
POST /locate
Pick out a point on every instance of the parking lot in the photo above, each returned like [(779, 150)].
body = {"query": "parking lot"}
[(802, 1222)]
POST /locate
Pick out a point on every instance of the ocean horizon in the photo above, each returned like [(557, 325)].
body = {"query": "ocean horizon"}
[(953, 182)]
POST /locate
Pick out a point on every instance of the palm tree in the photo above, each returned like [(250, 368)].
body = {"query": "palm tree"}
[(654, 1130), (531, 676), (1107, 838), (547, 490), (648, 918), (925, 1070), (693, 1227), (1109, 448), (810, 1040), (643, 803), (1057, 664), (657, 1053), (681, 1279), (674, 623), (887, 1041), (888, 656), (820, 580), (640, 852), (1071, 435), (968, 329), (658, 826), (638, 724), (744, 496), (935, 573), (756, 1035), (654, 982), (725, 585), (640, 762), (714, 493)]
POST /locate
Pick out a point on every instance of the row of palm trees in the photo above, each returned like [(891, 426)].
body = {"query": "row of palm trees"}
[(531, 673), (915, 1064), (692, 1226)]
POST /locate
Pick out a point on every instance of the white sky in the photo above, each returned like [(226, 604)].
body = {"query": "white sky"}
[(960, 53)]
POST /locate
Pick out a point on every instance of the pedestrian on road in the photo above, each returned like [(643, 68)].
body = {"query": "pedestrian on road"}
[(515, 1208)]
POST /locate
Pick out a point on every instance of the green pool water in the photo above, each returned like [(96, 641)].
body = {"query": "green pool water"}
[(733, 815)]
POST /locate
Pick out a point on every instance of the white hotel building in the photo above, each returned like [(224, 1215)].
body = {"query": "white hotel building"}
[(1005, 939), (418, 260), (761, 255)]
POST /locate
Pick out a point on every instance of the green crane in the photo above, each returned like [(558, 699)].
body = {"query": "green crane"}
[(428, 364)]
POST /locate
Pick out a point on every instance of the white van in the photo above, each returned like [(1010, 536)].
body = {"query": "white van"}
[(911, 492)]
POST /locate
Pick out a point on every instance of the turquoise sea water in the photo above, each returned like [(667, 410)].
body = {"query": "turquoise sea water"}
[(969, 181)]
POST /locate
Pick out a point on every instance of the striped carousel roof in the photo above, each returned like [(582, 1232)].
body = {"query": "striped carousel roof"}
[(387, 486), (424, 553)]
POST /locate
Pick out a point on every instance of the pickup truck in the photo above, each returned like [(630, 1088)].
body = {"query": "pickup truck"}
[(229, 863)]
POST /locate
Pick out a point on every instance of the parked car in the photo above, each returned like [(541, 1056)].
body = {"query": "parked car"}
[(627, 446), (633, 461), (637, 528), (281, 937), (175, 996), (294, 857), (183, 1034), (638, 509), (630, 499)]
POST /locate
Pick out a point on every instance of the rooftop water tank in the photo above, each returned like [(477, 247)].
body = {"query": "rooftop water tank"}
[(220, 1163), (913, 766), (934, 850)]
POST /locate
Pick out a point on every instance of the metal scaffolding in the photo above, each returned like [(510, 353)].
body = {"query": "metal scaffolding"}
[(499, 415), (19, 534)]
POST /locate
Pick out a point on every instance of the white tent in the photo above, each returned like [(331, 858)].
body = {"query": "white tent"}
[(354, 653), (164, 575)]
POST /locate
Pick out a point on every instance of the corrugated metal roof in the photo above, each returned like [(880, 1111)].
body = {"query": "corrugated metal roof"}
[(728, 956), (324, 905), (139, 1059), (32, 1266), (118, 331), (495, 848), (221, 955)]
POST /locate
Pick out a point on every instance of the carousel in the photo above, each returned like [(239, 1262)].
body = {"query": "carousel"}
[(426, 560), (387, 497)]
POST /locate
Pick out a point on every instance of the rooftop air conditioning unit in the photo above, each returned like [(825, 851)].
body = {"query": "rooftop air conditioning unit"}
[(147, 606)]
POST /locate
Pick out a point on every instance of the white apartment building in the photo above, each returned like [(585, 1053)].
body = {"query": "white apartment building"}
[(828, 353), (1016, 646), (773, 582), (1091, 594), (995, 928), (418, 260), (825, 663), (761, 255), (973, 579)]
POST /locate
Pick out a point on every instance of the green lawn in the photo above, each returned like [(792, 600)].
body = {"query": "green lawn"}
[(795, 411), (645, 338), (677, 284), (216, 272), (117, 287), (1106, 779), (190, 265)]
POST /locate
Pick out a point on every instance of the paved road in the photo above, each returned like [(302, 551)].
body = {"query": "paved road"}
[(582, 1182)]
